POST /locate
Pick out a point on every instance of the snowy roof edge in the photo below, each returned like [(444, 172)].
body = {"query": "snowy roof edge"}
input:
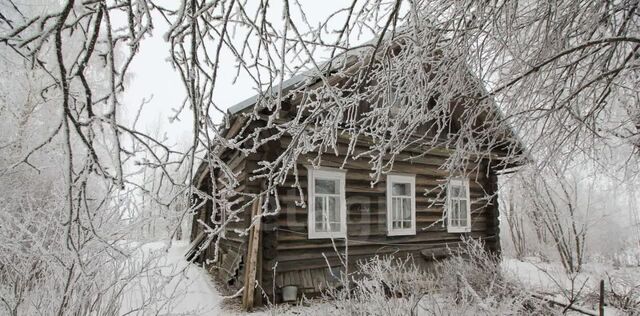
[(239, 107), (311, 73)]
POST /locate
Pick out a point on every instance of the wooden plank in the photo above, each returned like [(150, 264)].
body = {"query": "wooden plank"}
[(306, 279), (319, 280), (258, 300), (286, 279), (334, 262), (296, 279), (251, 258), (195, 246), (279, 280)]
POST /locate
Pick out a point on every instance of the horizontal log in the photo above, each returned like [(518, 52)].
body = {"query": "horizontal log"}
[(439, 233), (363, 144), (476, 200), (364, 186), (300, 220), (335, 262), (414, 157), (363, 175), (360, 250)]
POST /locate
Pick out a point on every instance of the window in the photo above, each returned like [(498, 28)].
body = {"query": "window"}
[(327, 208), (401, 205), (458, 206)]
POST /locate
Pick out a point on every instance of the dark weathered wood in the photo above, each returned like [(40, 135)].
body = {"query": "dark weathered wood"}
[(601, 301), (366, 220), (493, 214), (252, 258)]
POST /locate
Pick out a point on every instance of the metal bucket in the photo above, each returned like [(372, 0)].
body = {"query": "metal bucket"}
[(289, 293)]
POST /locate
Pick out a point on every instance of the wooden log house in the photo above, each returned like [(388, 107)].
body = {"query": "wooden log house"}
[(395, 216)]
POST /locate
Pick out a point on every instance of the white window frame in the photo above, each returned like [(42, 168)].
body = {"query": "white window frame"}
[(411, 180), (330, 174), (463, 182)]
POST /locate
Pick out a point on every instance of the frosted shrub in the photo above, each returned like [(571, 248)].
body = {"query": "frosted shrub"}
[(381, 286), (624, 293), (469, 282)]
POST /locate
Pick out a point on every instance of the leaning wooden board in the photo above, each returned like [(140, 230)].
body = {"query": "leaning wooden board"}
[(252, 256)]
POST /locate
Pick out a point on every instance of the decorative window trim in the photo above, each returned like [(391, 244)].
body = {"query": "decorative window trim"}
[(462, 182), (411, 180), (331, 174)]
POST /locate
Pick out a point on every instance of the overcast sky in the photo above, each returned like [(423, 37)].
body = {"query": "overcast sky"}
[(153, 76)]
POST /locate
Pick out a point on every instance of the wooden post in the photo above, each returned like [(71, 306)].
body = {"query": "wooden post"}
[(601, 305), (252, 257)]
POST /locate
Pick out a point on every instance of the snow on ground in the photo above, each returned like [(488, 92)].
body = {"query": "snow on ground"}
[(537, 275), (550, 278), (180, 288), (185, 289)]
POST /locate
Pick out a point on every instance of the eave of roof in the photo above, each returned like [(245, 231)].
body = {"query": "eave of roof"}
[(311, 74), (286, 86)]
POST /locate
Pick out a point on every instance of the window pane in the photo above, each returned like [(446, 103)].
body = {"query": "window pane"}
[(456, 191), (395, 206), (335, 227), (455, 210), (406, 209), (319, 210), (333, 209), (326, 186), (400, 189), (463, 212)]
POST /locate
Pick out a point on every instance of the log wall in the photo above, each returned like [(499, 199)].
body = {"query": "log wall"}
[(303, 262)]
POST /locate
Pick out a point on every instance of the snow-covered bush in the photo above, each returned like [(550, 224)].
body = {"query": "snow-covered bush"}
[(624, 293), (381, 286), (469, 282)]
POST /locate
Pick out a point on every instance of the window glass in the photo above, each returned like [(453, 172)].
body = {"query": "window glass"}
[(332, 209), (401, 189), (406, 209), (326, 186), (463, 213), (395, 206), (319, 211), (456, 191)]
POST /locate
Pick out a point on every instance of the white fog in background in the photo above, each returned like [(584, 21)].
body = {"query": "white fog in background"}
[(152, 75)]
